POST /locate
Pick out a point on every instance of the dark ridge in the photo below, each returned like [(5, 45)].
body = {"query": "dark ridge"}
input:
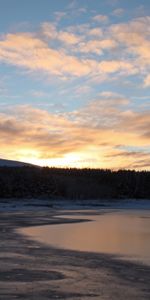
[(13, 163)]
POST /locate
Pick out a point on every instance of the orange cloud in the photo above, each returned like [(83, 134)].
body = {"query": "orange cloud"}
[(116, 65), (28, 51), (50, 31), (74, 53), (95, 131), (95, 32), (147, 81), (25, 50), (96, 46), (135, 36)]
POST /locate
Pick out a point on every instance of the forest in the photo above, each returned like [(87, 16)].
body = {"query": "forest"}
[(57, 183)]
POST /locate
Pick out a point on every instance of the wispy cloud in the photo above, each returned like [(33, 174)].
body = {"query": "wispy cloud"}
[(30, 52), (100, 18), (50, 31), (25, 50), (135, 36), (40, 50)]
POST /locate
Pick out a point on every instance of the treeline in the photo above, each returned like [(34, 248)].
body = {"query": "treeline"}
[(34, 182)]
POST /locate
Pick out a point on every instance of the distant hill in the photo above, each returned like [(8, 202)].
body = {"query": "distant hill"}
[(13, 163)]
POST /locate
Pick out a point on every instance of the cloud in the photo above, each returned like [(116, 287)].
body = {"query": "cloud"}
[(147, 81), (100, 18), (113, 98), (111, 114), (82, 56), (59, 15), (96, 46), (50, 31), (68, 38), (28, 51), (96, 129), (130, 159), (135, 35), (39, 129), (113, 66), (134, 38), (118, 12), (25, 50), (72, 52), (39, 94), (95, 32)]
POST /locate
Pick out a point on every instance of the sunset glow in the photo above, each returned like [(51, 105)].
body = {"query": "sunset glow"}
[(75, 83)]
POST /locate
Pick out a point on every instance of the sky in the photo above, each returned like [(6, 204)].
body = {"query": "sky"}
[(75, 83)]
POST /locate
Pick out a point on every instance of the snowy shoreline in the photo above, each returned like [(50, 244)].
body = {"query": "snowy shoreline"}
[(35, 204)]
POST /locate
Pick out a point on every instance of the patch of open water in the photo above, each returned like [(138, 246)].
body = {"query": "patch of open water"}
[(125, 233)]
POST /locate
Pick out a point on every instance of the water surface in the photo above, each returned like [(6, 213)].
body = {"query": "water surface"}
[(122, 233)]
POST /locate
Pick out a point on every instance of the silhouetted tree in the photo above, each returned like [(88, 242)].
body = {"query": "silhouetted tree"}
[(34, 182)]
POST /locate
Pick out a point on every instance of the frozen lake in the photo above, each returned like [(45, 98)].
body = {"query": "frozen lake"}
[(125, 233)]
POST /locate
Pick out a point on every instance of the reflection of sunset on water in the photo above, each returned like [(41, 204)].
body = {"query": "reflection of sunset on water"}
[(124, 234)]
